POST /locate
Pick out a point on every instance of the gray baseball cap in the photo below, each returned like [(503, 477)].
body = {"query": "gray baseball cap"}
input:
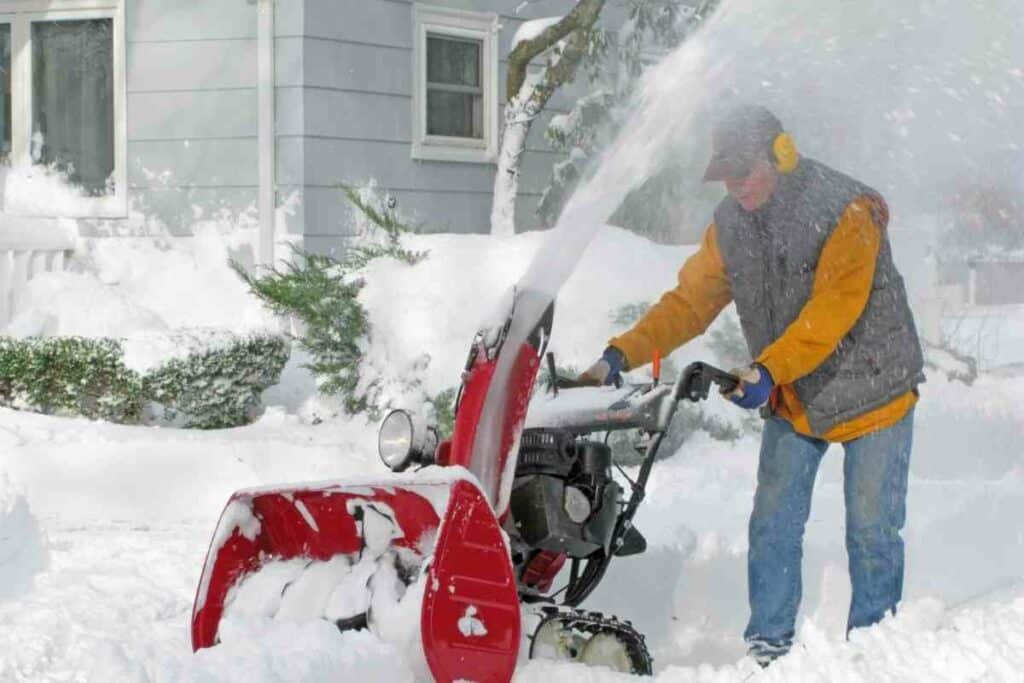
[(740, 138)]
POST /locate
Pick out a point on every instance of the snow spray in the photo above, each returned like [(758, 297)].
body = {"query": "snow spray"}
[(867, 87)]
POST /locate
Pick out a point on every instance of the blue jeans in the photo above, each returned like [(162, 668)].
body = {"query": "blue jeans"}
[(875, 487)]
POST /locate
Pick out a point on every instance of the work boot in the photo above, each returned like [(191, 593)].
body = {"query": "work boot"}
[(764, 652)]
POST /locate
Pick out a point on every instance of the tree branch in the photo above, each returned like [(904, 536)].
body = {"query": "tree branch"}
[(577, 22)]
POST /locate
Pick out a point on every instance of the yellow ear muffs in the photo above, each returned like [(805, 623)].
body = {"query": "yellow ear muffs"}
[(786, 156)]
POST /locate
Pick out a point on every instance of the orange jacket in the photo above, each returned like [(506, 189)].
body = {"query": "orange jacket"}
[(842, 285)]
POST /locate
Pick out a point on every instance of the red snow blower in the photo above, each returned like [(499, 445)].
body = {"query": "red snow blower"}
[(520, 499)]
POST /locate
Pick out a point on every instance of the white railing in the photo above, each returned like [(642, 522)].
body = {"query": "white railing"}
[(27, 250)]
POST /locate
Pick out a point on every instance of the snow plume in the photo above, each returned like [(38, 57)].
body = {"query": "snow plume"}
[(913, 98), (869, 87), (627, 163), (48, 191)]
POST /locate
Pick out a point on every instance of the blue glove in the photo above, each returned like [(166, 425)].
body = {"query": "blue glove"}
[(607, 370), (754, 388)]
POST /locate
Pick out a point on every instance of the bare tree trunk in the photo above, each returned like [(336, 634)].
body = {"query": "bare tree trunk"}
[(528, 94)]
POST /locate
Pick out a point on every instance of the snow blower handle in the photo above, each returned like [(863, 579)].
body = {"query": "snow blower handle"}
[(697, 380)]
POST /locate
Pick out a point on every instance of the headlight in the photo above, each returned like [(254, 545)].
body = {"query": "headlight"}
[(404, 439), (576, 504)]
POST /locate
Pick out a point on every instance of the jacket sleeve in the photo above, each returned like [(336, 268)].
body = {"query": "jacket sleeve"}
[(683, 312), (842, 285)]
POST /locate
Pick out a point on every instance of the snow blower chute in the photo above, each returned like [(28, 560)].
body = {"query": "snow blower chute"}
[(519, 498)]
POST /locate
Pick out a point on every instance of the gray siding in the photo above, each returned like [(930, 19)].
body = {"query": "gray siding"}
[(344, 77), (191, 108), (357, 120)]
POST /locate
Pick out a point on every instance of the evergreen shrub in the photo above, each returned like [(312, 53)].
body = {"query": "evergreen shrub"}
[(322, 293), (69, 376), (212, 386), (218, 387)]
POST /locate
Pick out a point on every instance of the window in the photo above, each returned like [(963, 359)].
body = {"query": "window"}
[(455, 92), (73, 101), (62, 116), (5, 101)]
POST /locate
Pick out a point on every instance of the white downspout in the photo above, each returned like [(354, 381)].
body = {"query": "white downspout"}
[(267, 148)]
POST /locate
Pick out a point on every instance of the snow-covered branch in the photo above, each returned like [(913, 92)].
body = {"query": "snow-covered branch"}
[(564, 41)]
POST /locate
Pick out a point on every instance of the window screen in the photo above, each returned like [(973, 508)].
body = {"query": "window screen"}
[(455, 95), (5, 98), (73, 100)]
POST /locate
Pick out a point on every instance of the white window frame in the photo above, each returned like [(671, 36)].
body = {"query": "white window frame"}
[(20, 14), (481, 26)]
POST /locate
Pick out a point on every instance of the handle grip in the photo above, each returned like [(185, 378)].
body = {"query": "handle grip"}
[(697, 379)]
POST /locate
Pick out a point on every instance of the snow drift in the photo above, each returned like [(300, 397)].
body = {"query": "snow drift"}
[(23, 550)]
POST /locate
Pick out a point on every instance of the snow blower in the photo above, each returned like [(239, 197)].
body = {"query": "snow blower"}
[(484, 528)]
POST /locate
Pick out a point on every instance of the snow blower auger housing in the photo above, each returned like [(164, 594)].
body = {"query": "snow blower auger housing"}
[(480, 539)]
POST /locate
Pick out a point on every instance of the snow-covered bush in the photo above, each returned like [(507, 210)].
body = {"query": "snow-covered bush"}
[(321, 292), (727, 344), (69, 376), (218, 385), (627, 314), (443, 405), (956, 366), (379, 227)]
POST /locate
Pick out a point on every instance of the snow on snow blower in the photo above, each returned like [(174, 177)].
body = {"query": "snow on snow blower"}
[(478, 542)]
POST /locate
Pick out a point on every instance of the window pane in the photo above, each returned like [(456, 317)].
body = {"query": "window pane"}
[(454, 114), (5, 84), (73, 100), (453, 61)]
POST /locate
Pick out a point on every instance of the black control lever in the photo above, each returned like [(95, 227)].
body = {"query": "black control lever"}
[(552, 373), (556, 381), (698, 378)]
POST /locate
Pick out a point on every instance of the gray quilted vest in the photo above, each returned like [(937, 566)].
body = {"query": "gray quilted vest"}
[(771, 255)]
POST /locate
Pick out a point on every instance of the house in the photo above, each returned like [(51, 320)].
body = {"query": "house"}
[(977, 310), (974, 293), (139, 117)]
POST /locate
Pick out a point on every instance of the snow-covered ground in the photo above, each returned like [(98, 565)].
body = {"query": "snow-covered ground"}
[(104, 528)]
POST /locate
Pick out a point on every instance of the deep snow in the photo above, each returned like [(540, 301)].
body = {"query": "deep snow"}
[(107, 526), (104, 528)]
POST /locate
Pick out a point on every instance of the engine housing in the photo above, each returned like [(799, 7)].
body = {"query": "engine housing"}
[(550, 463)]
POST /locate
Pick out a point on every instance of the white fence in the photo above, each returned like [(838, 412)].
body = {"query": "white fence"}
[(26, 251), (981, 315)]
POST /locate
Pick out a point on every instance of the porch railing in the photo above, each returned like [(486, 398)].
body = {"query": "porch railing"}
[(26, 250)]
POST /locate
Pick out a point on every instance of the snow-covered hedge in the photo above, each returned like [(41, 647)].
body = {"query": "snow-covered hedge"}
[(220, 386), (202, 381), (69, 376)]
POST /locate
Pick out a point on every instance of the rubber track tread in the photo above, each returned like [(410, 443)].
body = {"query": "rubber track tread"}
[(593, 623)]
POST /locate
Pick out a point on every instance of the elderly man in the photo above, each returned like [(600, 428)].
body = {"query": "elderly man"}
[(802, 249)]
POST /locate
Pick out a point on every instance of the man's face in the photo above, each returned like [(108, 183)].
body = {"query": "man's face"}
[(753, 190)]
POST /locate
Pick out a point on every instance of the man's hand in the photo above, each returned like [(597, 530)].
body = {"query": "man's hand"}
[(755, 385), (607, 370)]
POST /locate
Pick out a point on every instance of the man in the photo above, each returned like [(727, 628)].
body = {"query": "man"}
[(802, 249)]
